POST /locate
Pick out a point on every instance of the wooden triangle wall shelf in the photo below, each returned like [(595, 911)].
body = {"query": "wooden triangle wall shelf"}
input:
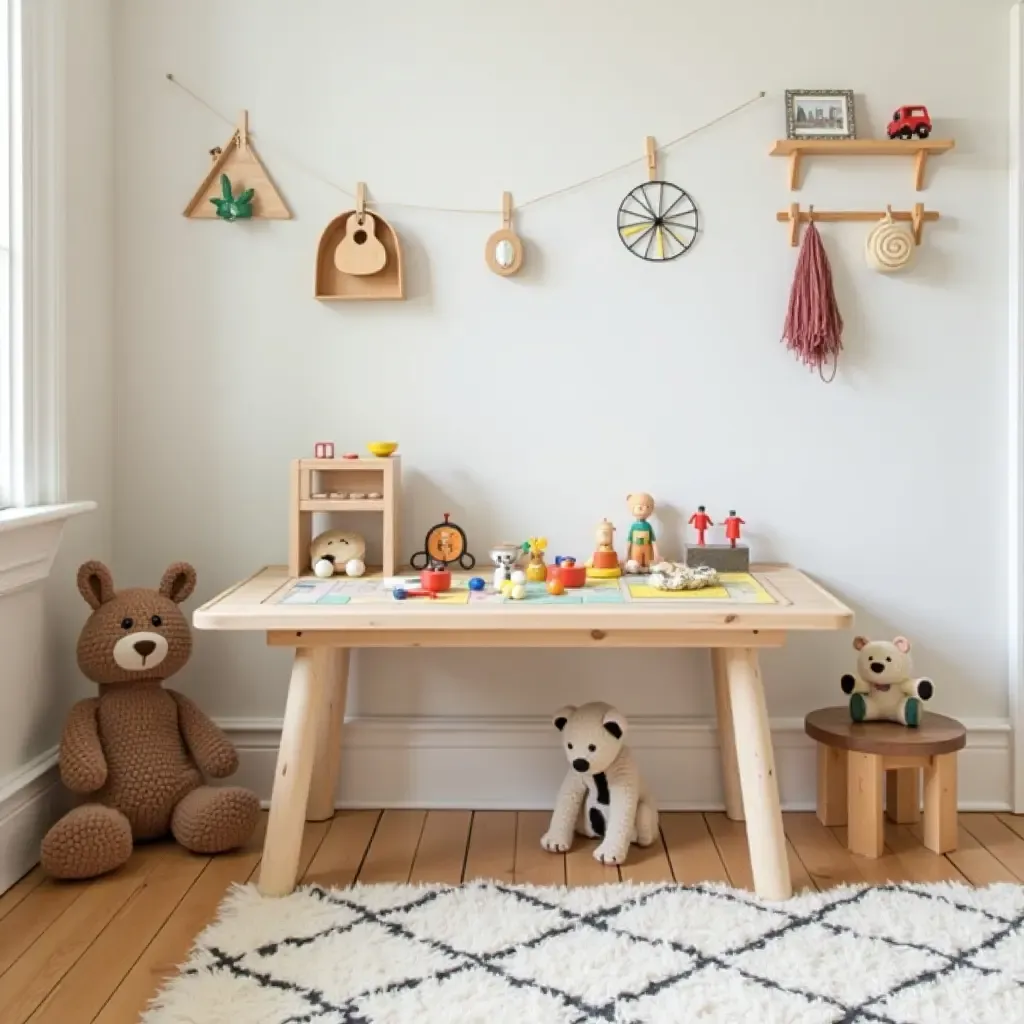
[(919, 149), (238, 160)]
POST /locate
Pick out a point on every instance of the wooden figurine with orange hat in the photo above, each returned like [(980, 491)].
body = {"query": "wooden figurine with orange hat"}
[(642, 552), (604, 563)]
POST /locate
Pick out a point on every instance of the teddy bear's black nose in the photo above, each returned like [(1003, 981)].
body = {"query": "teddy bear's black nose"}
[(581, 764), (144, 647), (877, 666)]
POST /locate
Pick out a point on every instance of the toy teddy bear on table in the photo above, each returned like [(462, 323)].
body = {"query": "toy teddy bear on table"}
[(883, 688), (138, 751), (603, 795)]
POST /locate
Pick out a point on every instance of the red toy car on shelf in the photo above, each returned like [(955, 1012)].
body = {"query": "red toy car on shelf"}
[(910, 121)]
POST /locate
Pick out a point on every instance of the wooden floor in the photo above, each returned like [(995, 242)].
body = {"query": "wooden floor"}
[(96, 952)]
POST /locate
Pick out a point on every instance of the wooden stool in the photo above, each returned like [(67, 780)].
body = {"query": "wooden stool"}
[(853, 759)]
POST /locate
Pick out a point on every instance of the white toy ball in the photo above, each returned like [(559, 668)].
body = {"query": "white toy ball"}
[(518, 576), (518, 591), (324, 568), (355, 567), (632, 566)]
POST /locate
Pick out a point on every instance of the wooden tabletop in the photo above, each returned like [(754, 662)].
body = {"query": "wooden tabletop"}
[(799, 604), (936, 734)]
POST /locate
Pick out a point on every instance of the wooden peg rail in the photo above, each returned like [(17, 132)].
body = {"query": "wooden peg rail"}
[(794, 216)]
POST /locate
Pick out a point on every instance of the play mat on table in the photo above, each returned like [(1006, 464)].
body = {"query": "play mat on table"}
[(734, 587)]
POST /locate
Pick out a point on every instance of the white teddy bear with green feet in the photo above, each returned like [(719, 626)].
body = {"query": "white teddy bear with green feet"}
[(885, 689)]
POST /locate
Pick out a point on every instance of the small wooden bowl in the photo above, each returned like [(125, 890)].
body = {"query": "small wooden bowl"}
[(382, 449)]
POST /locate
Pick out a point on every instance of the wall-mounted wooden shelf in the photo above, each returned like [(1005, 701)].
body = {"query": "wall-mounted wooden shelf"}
[(919, 149), (794, 216)]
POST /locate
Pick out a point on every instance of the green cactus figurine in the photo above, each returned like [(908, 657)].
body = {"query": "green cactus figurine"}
[(230, 207)]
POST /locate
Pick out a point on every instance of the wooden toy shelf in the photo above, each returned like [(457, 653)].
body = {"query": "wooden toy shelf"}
[(919, 149)]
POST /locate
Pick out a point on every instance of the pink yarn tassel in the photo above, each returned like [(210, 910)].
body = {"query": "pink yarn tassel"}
[(814, 325)]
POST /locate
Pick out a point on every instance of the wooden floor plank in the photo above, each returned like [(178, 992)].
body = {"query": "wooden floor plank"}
[(827, 862), (33, 915), (341, 853), (393, 849), (920, 864), (17, 892), (977, 864), (874, 870), (442, 851), (1013, 821), (492, 847), (731, 841), (647, 864), (999, 839), (534, 865), (691, 849), (582, 870), (32, 977), (89, 984), (169, 948), (799, 876)]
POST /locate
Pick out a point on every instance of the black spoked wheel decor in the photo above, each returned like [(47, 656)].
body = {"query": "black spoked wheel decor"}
[(658, 221)]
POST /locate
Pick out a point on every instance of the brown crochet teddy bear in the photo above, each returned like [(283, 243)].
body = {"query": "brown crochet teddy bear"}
[(137, 750)]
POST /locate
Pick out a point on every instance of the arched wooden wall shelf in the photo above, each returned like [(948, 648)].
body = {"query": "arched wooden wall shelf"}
[(334, 286)]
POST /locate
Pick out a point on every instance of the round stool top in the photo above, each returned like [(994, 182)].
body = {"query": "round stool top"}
[(936, 734)]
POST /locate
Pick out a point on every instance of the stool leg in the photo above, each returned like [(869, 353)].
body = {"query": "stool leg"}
[(864, 791), (940, 823), (903, 795), (831, 785)]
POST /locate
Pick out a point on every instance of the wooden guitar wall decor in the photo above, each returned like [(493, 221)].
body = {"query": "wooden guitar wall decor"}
[(238, 163), (359, 256)]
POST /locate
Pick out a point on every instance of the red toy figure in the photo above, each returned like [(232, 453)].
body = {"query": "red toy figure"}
[(732, 527), (700, 521)]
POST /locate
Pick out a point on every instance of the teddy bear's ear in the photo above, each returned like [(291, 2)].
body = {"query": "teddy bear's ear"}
[(615, 723), (562, 715), (860, 642), (95, 584), (179, 580), (902, 644)]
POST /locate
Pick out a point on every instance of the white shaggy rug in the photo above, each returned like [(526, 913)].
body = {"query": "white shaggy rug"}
[(494, 953)]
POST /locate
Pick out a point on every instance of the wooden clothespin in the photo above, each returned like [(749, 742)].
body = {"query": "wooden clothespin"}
[(652, 159), (917, 220), (361, 200), (242, 131), (506, 211)]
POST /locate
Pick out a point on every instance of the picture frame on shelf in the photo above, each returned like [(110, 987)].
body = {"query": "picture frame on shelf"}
[(820, 114)]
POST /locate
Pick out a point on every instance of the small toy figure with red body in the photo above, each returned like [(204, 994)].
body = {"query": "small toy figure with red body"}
[(908, 122), (732, 527), (700, 521)]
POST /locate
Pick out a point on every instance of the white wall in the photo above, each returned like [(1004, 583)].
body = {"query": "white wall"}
[(39, 678), (880, 485)]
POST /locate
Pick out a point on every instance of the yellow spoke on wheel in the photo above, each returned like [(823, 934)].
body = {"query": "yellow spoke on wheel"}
[(661, 245), (634, 228)]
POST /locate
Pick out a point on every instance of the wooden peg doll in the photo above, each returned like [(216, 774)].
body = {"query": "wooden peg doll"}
[(642, 551)]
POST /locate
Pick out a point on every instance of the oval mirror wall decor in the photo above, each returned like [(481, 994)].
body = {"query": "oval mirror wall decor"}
[(504, 251)]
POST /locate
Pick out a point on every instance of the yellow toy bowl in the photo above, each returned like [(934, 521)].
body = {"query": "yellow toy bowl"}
[(382, 449)]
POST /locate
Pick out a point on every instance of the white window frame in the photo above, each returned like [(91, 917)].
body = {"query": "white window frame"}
[(1015, 474), (32, 439)]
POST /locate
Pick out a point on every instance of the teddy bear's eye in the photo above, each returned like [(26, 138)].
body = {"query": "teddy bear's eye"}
[(127, 623), (888, 659), (870, 658), (570, 746), (591, 748), (157, 621)]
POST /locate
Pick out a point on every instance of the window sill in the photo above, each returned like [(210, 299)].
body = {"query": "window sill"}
[(28, 542)]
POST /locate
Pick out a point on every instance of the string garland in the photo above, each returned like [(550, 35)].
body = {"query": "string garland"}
[(469, 210)]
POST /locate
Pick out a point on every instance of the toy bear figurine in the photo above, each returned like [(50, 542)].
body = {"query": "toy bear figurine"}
[(603, 795), (138, 752), (885, 689)]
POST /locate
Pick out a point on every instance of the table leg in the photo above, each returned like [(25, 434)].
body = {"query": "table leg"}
[(758, 780), (333, 663), (280, 863), (726, 737)]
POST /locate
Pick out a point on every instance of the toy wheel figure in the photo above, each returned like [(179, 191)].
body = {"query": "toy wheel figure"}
[(445, 543), (658, 221)]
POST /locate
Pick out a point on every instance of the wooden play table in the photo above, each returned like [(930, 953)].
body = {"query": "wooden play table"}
[(323, 635)]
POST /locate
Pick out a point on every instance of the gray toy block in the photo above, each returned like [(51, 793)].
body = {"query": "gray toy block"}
[(720, 557)]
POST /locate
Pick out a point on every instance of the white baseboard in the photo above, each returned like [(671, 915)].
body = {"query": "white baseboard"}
[(517, 764), (31, 800)]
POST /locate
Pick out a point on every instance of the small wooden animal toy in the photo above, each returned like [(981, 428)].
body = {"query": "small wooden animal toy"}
[(603, 794), (504, 557), (700, 521), (883, 688), (732, 527), (337, 551), (536, 568), (360, 251), (642, 552)]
